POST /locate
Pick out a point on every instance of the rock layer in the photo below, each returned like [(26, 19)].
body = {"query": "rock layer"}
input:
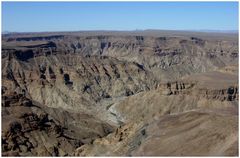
[(118, 94)]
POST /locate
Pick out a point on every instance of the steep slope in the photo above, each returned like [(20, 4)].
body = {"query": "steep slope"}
[(196, 116), (166, 56), (197, 91), (28, 128), (194, 133), (110, 94)]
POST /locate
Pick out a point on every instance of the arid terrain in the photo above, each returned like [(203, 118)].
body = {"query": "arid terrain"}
[(113, 93)]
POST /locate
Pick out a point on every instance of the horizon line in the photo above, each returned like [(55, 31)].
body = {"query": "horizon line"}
[(135, 30)]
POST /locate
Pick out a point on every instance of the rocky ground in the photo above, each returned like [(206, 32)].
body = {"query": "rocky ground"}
[(120, 94)]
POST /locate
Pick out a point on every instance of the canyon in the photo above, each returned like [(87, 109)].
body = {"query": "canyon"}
[(113, 93)]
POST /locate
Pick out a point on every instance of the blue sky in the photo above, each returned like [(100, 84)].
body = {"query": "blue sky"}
[(75, 16)]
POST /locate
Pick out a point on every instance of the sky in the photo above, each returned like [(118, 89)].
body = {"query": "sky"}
[(77, 16)]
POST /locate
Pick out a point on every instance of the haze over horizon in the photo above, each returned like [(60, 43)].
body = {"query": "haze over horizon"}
[(119, 16), (137, 30)]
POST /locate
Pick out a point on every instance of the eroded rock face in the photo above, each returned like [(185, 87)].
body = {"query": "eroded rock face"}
[(115, 95), (170, 56), (92, 78), (31, 129), (183, 132)]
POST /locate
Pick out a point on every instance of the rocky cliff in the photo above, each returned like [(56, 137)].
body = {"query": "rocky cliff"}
[(78, 94)]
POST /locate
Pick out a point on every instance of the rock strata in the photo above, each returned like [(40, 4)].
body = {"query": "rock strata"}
[(137, 93)]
